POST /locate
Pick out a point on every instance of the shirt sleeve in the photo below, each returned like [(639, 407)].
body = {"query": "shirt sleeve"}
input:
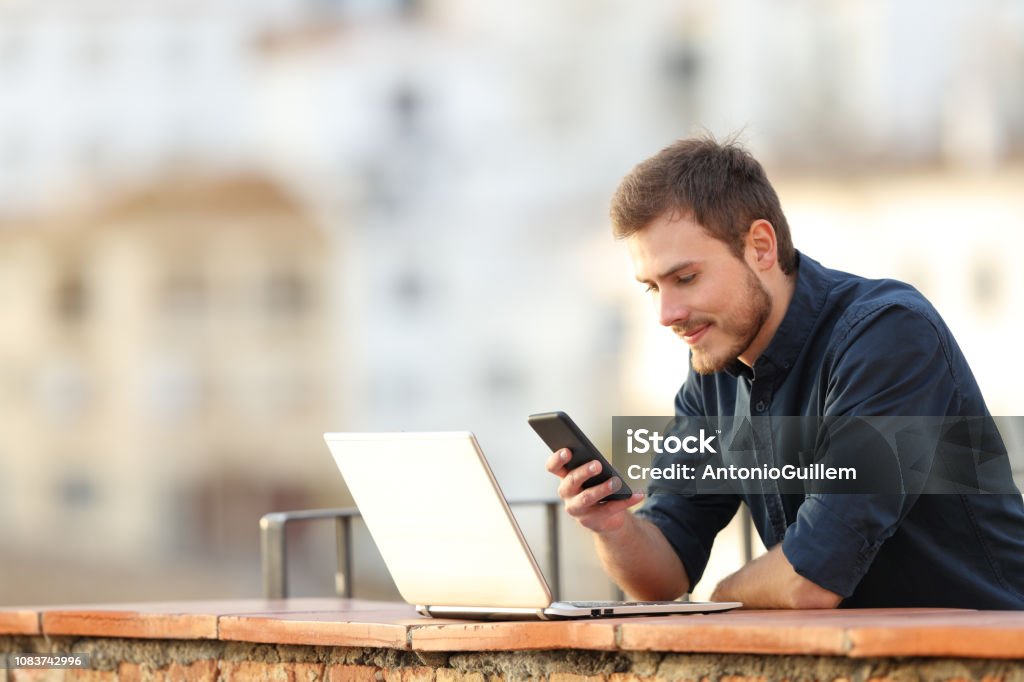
[(891, 361), (689, 522)]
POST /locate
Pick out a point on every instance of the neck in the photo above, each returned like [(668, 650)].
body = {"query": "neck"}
[(780, 288)]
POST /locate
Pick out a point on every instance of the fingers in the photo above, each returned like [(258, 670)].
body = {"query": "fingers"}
[(580, 497), (572, 482), (556, 462), (607, 516), (585, 505), (613, 507), (585, 499)]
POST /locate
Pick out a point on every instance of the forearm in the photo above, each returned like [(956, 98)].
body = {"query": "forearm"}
[(770, 582), (641, 561)]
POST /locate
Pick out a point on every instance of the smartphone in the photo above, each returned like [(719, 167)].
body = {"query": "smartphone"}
[(558, 431)]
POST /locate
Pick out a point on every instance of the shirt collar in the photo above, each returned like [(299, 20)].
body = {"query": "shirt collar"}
[(812, 286)]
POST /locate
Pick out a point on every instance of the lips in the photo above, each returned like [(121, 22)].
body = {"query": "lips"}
[(696, 335)]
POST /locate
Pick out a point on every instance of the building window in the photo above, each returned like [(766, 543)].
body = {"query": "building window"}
[(286, 295), (184, 295), (76, 492), (72, 300), (407, 105), (410, 290)]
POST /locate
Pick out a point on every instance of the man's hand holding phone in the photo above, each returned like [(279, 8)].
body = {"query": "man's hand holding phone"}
[(596, 496), (594, 493), (586, 505)]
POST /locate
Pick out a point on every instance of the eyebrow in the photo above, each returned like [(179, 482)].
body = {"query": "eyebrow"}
[(671, 270)]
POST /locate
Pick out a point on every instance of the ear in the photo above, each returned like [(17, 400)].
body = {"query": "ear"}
[(762, 248)]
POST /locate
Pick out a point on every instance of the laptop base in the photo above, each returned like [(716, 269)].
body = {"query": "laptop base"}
[(570, 610)]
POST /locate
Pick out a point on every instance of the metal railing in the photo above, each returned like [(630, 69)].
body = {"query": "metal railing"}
[(274, 549)]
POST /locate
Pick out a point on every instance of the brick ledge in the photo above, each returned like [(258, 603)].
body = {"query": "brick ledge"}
[(946, 633)]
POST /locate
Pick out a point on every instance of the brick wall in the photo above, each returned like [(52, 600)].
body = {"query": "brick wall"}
[(135, 660)]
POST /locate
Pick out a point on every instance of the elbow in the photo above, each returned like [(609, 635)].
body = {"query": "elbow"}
[(807, 595)]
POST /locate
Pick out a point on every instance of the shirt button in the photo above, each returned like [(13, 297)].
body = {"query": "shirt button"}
[(761, 406)]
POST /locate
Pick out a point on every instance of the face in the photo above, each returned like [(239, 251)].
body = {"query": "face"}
[(710, 298)]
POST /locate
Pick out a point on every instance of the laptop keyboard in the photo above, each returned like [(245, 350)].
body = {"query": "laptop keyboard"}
[(610, 604)]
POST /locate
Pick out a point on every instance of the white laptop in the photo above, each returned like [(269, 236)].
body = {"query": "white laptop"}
[(447, 535)]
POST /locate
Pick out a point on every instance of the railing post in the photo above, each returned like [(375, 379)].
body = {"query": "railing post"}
[(272, 556), (747, 531), (554, 566), (344, 577)]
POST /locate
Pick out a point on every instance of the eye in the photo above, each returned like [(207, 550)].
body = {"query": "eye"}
[(686, 279), (650, 289)]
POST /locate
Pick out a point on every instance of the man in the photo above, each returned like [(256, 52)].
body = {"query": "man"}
[(772, 333)]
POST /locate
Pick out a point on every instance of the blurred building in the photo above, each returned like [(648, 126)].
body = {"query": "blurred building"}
[(162, 370), (226, 227)]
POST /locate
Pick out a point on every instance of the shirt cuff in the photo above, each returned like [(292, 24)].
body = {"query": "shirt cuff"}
[(837, 564)]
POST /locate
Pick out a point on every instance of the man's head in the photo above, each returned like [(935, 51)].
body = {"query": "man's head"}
[(708, 237), (720, 186)]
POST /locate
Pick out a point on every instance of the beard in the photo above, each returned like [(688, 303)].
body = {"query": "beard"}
[(740, 326)]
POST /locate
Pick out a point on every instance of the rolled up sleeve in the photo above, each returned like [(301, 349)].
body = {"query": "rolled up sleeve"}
[(690, 524), (836, 537)]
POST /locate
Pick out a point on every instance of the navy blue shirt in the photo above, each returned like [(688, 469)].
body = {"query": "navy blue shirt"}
[(848, 346)]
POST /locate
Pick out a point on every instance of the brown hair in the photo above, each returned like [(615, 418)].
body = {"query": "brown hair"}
[(720, 185)]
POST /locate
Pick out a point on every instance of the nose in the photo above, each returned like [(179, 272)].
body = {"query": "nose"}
[(672, 311)]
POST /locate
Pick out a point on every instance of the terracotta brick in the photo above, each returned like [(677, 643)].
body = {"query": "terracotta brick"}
[(191, 620), (86, 675), (949, 641), (305, 672), (150, 625), (573, 677), (197, 671), (718, 634), (516, 635), (19, 622), (385, 629), (628, 677), (352, 673), (256, 671), (131, 672), (857, 633), (70, 674), (36, 675)]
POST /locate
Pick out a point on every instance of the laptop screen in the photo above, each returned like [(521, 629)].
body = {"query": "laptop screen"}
[(439, 519)]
